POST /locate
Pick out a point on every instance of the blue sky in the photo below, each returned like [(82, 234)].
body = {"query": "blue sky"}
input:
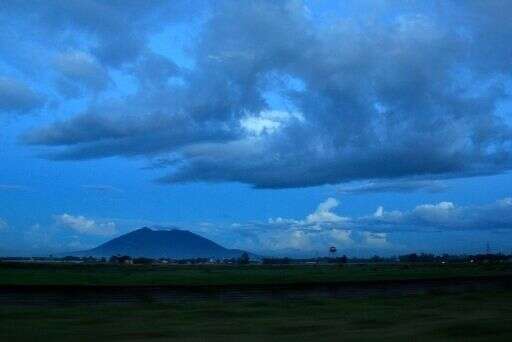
[(381, 127)]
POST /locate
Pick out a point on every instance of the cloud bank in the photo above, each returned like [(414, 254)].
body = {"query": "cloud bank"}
[(325, 227), (315, 233), (277, 96), (397, 186), (444, 216)]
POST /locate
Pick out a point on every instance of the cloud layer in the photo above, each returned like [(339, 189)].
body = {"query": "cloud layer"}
[(400, 186), (325, 227), (17, 98), (315, 233), (445, 216), (277, 96), (375, 233)]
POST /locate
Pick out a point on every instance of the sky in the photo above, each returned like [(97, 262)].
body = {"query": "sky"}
[(279, 127)]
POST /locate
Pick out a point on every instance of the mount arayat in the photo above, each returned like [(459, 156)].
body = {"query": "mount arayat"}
[(149, 243)]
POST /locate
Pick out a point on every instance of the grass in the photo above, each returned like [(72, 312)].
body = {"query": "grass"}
[(189, 275), (437, 316), (448, 317)]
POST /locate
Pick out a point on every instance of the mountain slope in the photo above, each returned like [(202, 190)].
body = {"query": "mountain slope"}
[(175, 243)]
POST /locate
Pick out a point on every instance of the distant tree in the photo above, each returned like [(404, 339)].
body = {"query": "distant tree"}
[(143, 261), (489, 257), (409, 257), (71, 258), (376, 258), (276, 261), (423, 257), (244, 259), (89, 259), (125, 259), (119, 259), (113, 259)]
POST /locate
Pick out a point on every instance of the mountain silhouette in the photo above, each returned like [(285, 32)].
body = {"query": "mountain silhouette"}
[(174, 244)]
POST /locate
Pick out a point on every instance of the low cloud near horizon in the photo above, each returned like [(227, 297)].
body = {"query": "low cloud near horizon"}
[(324, 226), (83, 225)]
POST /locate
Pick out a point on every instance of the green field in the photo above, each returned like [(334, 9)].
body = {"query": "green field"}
[(189, 275), (434, 317)]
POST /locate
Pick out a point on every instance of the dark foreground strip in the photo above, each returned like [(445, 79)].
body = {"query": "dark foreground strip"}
[(115, 294)]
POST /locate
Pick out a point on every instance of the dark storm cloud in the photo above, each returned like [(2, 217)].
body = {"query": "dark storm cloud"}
[(78, 69), (125, 131), (119, 27), (402, 92), (17, 98), (154, 71)]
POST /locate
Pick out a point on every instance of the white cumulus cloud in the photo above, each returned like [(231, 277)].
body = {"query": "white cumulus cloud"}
[(443, 215), (85, 225), (324, 214)]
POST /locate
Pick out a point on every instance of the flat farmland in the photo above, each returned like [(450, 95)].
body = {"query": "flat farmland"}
[(476, 316), (353, 302), (219, 275)]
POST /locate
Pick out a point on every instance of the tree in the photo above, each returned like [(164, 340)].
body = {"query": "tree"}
[(244, 259)]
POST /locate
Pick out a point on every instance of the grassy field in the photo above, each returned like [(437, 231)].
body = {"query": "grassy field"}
[(437, 315), (434, 317), (104, 274)]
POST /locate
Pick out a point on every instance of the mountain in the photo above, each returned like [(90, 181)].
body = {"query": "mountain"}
[(174, 244)]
